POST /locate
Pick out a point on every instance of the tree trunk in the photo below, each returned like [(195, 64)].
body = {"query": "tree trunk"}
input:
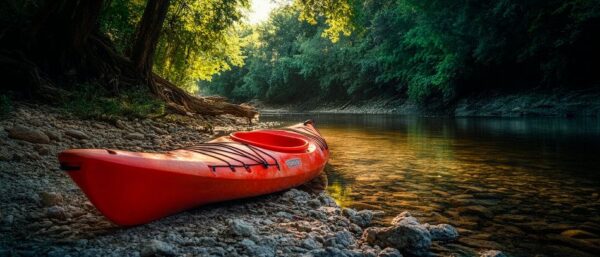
[(146, 37)]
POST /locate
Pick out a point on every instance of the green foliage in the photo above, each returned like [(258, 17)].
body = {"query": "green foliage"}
[(5, 106), (119, 20), (91, 101), (425, 50), (200, 39)]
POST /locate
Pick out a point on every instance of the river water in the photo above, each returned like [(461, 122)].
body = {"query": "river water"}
[(526, 186)]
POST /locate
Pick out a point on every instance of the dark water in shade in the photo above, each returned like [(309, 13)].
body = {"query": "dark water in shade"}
[(526, 186)]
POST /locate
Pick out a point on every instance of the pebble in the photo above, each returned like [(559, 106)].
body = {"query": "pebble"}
[(157, 248), (42, 149), (135, 136), (56, 212), (53, 135), (361, 218), (239, 227), (50, 198), (76, 134)]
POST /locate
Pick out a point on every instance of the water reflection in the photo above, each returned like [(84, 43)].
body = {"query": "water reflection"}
[(525, 186)]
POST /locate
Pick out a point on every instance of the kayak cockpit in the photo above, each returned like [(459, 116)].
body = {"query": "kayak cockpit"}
[(280, 141)]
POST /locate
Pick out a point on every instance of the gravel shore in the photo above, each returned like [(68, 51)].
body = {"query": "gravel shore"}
[(42, 213)]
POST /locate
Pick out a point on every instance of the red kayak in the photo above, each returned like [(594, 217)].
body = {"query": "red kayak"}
[(132, 188)]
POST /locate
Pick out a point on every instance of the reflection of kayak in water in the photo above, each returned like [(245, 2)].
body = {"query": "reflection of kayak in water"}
[(132, 188)]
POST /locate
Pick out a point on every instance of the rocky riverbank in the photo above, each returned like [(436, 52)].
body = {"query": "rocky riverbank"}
[(42, 213)]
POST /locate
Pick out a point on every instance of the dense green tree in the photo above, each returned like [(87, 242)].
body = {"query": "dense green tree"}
[(425, 50)]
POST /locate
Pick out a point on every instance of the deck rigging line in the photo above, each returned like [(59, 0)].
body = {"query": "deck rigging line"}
[(310, 134), (228, 154)]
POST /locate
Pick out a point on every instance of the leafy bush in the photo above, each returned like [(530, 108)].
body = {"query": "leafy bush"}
[(92, 101)]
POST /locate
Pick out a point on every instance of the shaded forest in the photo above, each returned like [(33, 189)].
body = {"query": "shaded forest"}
[(432, 51), (117, 53)]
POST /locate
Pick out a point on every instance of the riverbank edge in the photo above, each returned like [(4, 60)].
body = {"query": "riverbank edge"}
[(42, 213), (533, 103)]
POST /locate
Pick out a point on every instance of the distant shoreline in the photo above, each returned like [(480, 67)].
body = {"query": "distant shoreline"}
[(536, 103)]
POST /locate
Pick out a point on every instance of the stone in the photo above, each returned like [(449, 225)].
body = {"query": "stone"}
[(160, 131), (51, 198), (492, 253), (327, 200), (297, 196), (120, 124), (53, 135), (361, 218), (405, 218), (42, 150), (76, 134), (157, 248), (56, 212), (311, 243), (341, 239), (239, 227), (135, 136), (389, 252), (284, 215), (258, 250), (405, 234), (442, 232), (21, 132)]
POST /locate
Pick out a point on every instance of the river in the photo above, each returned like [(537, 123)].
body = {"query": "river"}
[(526, 186)]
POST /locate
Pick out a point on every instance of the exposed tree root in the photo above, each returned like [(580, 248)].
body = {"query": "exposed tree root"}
[(181, 102)]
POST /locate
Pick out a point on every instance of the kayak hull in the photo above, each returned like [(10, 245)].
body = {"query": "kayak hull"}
[(135, 188)]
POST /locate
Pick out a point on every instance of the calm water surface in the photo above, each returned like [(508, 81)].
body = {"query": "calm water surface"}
[(528, 187)]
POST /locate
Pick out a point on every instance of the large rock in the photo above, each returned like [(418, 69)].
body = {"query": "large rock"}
[(76, 134), (405, 234), (362, 218), (157, 248), (239, 227), (28, 134), (442, 232)]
